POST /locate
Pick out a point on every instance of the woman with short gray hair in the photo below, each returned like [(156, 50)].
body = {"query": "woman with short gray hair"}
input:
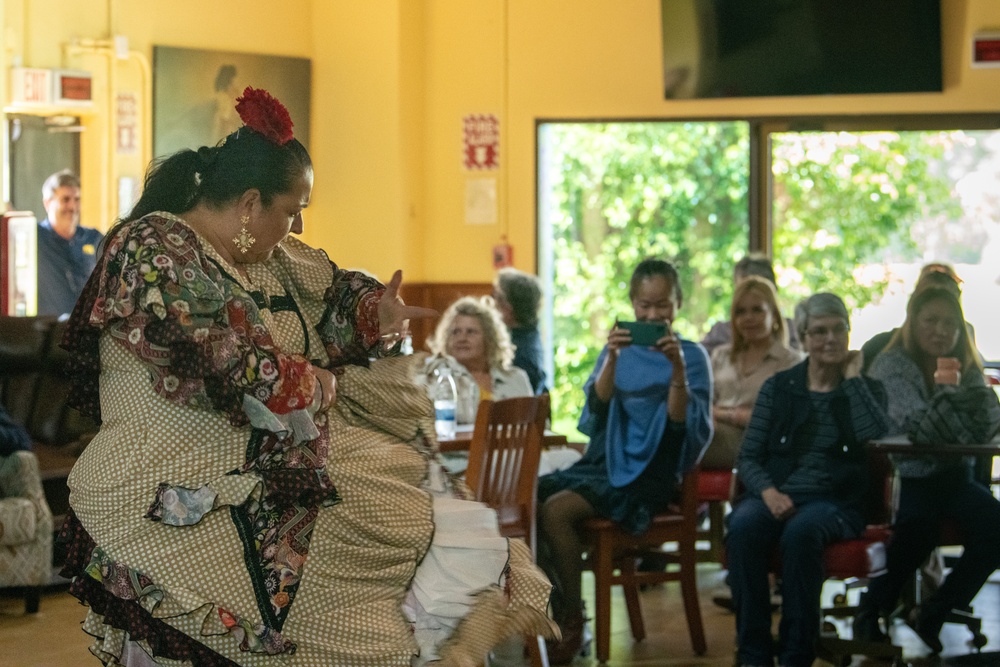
[(818, 306), (803, 465)]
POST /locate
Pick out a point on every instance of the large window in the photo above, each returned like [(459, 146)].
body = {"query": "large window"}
[(859, 213), (614, 193), (853, 212)]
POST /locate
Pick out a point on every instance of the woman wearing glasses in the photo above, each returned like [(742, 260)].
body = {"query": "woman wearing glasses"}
[(937, 395), (803, 467)]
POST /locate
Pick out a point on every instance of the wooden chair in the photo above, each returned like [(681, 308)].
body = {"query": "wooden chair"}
[(503, 461), (503, 472), (615, 550)]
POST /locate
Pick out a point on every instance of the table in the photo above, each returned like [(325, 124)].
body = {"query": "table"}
[(900, 444), (984, 453), (463, 438)]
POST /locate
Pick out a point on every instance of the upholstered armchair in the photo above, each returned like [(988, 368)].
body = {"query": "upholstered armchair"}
[(25, 528)]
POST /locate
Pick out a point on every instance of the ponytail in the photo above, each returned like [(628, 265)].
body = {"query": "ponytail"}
[(218, 175), (171, 185)]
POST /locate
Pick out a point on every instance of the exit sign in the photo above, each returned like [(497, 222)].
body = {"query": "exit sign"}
[(30, 86), (986, 49), (37, 87)]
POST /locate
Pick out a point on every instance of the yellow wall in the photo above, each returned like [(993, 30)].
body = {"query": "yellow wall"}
[(591, 59), (392, 80), (38, 33), (363, 196)]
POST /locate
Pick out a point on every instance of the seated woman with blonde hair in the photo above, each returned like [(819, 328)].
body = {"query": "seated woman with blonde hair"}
[(758, 351), (473, 342)]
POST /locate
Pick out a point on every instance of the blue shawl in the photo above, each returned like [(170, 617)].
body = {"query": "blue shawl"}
[(637, 415)]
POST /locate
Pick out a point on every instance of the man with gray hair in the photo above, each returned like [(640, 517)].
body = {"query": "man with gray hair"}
[(67, 252), (518, 297)]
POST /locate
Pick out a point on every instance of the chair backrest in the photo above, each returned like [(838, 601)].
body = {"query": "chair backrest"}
[(24, 342), (19, 477), (34, 386), (503, 460), (715, 484)]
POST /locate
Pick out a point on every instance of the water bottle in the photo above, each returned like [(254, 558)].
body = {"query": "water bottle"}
[(445, 397)]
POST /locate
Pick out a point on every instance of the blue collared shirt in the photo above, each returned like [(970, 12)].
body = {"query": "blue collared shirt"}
[(64, 267), (528, 355)]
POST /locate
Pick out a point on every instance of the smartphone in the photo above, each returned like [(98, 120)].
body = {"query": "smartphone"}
[(645, 333)]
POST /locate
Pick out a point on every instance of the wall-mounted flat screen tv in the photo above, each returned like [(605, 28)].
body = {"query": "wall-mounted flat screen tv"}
[(756, 48)]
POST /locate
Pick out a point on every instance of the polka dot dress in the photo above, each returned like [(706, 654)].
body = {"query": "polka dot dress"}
[(363, 551)]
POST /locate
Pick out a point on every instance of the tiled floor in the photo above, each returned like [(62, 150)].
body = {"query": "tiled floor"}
[(52, 638)]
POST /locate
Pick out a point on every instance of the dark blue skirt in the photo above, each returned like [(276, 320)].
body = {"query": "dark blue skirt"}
[(632, 506)]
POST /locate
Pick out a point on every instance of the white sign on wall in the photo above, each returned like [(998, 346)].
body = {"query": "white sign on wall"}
[(127, 109)]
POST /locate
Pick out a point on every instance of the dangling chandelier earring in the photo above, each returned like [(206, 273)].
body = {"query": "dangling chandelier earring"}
[(244, 239)]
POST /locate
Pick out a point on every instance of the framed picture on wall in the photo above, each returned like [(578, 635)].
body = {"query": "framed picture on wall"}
[(195, 91)]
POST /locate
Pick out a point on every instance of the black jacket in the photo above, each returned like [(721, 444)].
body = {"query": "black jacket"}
[(776, 439)]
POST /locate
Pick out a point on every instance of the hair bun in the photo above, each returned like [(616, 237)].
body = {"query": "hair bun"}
[(207, 156)]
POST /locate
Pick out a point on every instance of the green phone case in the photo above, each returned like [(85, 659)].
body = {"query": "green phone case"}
[(645, 333)]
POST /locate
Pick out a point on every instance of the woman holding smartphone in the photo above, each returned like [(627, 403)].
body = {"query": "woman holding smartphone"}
[(937, 395), (648, 415)]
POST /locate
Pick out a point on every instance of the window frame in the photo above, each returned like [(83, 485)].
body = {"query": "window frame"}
[(760, 181), (761, 128)]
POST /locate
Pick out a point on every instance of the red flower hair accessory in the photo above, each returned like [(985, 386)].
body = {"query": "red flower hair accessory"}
[(265, 114)]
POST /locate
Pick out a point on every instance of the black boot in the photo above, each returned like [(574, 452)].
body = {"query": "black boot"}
[(926, 621), (576, 638), (571, 644), (866, 621)]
